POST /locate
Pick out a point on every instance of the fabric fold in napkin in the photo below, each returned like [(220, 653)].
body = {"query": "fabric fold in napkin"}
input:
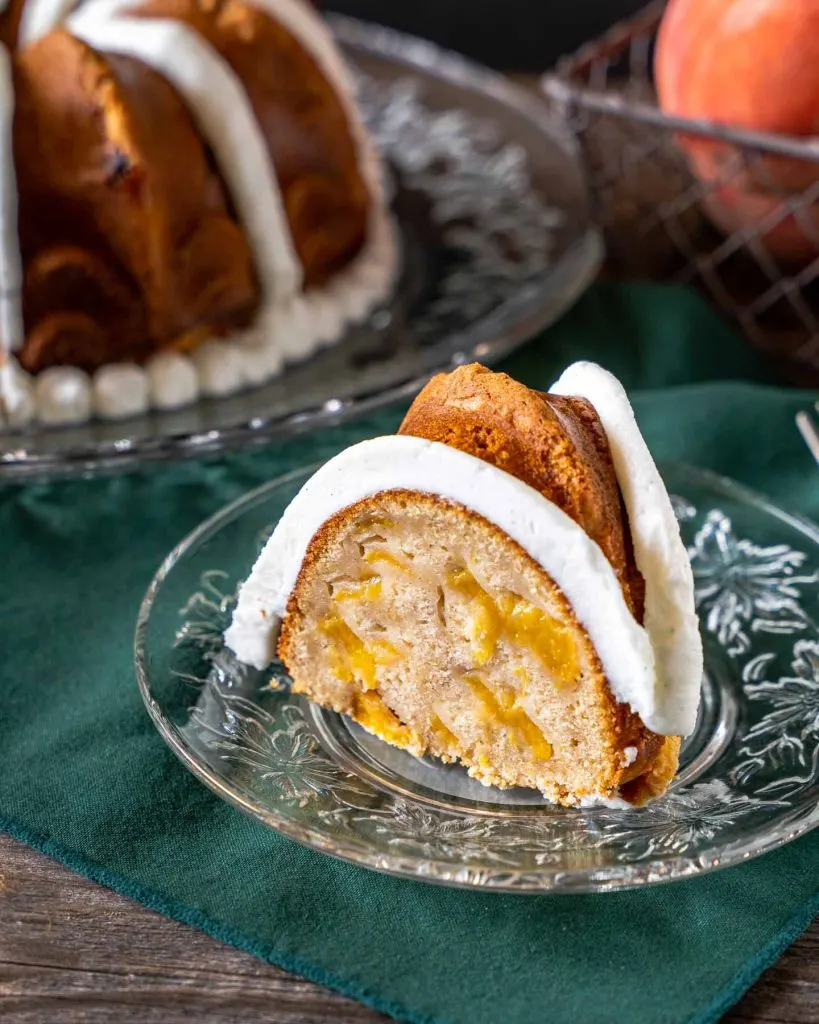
[(86, 778)]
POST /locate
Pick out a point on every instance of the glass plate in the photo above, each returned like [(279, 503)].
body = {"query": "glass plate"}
[(496, 242), (749, 778)]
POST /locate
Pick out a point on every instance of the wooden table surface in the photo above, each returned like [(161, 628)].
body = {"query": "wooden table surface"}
[(72, 952)]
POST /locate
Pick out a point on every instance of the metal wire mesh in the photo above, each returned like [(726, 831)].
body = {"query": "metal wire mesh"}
[(653, 211)]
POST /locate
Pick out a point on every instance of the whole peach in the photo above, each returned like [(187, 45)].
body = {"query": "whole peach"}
[(751, 64)]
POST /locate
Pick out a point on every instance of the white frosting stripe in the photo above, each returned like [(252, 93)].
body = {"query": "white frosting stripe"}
[(308, 27), (40, 17), (325, 312), (670, 619), (219, 104), (11, 267), (572, 559), (18, 405), (310, 30)]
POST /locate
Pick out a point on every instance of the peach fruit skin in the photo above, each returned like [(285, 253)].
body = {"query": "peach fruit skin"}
[(750, 64)]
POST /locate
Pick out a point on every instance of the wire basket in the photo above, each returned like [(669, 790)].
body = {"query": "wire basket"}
[(653, 210)]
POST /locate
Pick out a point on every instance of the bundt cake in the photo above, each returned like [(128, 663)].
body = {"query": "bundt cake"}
[(501, 584), (188, 199)]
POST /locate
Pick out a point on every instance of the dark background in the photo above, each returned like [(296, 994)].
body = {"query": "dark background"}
[(519, 35)]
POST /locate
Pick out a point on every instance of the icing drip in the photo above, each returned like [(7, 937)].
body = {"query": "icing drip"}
[(259, 362), (172, 380), (219, 104), (308, 29), (41, 16), (661, 557), (312, 32), (218, 367), (119, 390), (63, 396), (18, 405), (11, 272)]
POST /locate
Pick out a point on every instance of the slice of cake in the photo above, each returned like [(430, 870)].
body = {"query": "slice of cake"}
[(502, 584)]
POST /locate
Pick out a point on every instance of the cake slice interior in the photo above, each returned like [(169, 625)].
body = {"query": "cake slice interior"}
[(432, 629)]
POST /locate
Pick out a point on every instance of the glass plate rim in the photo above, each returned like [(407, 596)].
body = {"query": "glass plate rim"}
[(568, 279), (553, 879)]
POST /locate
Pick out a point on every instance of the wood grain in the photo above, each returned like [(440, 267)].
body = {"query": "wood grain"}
[(72, 952)]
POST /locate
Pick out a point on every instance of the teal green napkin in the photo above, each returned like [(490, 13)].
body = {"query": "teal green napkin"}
[(86, 778)]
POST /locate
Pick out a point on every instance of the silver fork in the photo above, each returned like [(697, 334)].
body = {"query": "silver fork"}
[(809, 431)]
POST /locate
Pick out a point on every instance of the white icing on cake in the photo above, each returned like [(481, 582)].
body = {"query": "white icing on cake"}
[(11, 265), (259, 362), (572, 559), (670, 619), (309, 29), (172, 380), (63, 395), (41, 16), (119, 390), (219, 105), (218, 368), (18, 406)]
